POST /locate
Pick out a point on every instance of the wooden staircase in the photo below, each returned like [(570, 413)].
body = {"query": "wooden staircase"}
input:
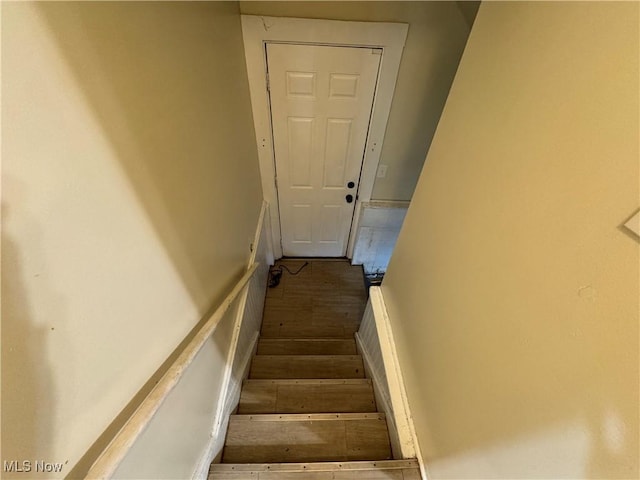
[(307, 411)]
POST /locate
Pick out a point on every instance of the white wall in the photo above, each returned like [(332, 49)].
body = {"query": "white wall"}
[(437, 36), (130, 195), (378, 229), (513, 291)]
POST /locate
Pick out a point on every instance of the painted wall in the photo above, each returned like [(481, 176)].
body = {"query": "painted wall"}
[(512, 290), (130, 196), (378, 230), (469, 10), (189, 429), (437, 36)]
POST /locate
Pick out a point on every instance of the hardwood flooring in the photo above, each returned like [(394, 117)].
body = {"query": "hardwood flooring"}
[(307, 366), (307, 346), (307, 396)]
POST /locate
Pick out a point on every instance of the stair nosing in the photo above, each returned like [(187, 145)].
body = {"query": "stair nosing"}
[(308, 381), (317, 466), (303, 339), (352, 356), (303, 417)]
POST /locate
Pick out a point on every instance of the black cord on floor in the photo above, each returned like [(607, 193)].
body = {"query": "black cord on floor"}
[(275, 273)]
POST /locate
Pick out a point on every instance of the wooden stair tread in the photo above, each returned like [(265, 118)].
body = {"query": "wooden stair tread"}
[(307, 362), (288, 328), (307, 346), (307, 396), (306, 438), (306, 366), (309, 310), (378, 470)]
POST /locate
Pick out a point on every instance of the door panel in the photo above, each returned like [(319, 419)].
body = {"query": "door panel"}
[(337, 152), (321, 101), (301, 224), (300, 153)]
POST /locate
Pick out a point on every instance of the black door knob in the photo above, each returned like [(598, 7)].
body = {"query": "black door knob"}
[(349, 198), (351, 184)]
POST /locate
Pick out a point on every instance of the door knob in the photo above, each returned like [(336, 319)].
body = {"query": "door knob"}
[(349, 198), (351, 184)]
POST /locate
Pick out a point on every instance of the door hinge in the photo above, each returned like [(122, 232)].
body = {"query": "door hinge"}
[(268, 84)]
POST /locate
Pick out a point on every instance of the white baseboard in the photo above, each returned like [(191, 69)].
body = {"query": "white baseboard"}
[(380, 390), (229, 399), (409, 444), (377, 346)]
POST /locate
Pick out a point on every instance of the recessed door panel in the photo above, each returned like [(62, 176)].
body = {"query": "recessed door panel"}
[(300, 136), (330, 224), (301, 84), (301, 224), (336, 152), (343, 85)]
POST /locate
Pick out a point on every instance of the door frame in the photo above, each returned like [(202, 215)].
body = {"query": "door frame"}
[(257, 31)]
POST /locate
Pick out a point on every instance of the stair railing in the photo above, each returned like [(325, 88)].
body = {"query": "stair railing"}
[(112, 456)]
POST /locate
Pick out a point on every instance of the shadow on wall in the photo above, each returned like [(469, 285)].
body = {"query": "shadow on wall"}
[(430, 61), (28, 391), (469, 11), (166, 86), (166, 81)]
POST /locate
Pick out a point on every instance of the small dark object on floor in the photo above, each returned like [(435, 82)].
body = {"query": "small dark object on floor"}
[(373, 279), (275, 273), (274, 278)]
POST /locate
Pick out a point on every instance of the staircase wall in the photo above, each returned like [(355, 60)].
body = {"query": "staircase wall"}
[(188, 430), (513, 291), (130, 197)]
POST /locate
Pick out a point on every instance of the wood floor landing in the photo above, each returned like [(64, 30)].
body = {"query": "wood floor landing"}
[(326, 299)]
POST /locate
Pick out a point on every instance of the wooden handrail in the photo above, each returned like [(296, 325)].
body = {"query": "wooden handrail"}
[(108, 461)]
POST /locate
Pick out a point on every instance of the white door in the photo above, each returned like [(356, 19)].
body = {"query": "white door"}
[(321, 101)]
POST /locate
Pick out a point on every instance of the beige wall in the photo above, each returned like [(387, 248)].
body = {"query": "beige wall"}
[(130, 195), (512, 291), (437, 36)]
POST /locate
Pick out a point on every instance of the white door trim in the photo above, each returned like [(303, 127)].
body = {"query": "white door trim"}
[(258, 30)]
